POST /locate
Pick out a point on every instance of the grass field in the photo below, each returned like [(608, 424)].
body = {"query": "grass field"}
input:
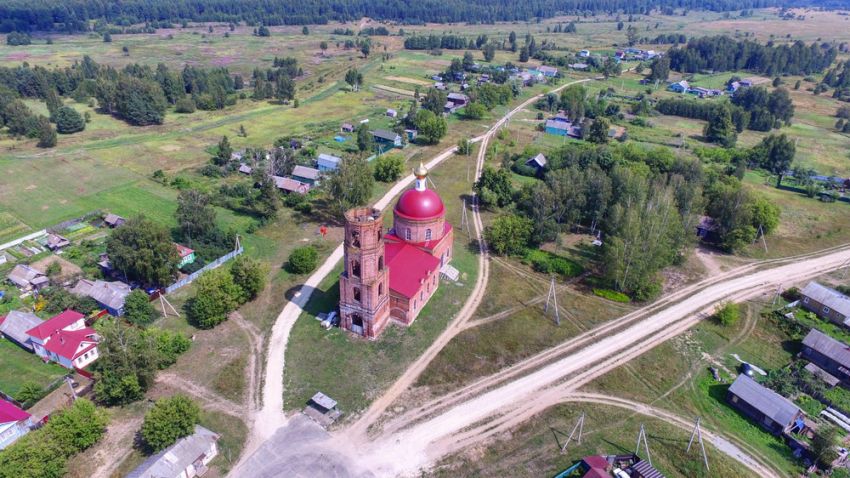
[(17, 367)]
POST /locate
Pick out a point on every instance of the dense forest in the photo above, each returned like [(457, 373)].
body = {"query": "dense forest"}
[(75, 15), (721, 53)]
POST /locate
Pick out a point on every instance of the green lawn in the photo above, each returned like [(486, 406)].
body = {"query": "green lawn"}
[(17, 367)]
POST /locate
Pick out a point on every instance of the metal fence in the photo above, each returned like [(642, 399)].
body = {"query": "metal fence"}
[(212, 265)]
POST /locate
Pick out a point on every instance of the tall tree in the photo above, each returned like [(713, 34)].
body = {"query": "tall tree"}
[(720, 128), (142, 250), (351, 184), (195, 215), (775, 153), (169, 420)]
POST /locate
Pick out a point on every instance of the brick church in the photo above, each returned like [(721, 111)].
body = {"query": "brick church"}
[(392, 275)]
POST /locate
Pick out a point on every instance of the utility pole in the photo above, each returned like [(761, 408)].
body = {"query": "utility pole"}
[(553, 298), (464, 220), (579, 426), (698, 434), (775, 296), (642, 438)]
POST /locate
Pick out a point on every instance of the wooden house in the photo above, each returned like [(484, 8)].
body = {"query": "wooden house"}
[(770, 410), (827, 303)]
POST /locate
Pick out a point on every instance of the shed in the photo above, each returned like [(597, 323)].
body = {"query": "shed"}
[(327, 162), (113, 220), (323, 401), (643, 469), (56, 242), (548, 71), (347, 128), (291, 185), (392, 113), (305, 174), (538, 161), (245, 169)]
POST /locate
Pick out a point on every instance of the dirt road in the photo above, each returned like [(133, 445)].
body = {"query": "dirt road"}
[(508, 405)]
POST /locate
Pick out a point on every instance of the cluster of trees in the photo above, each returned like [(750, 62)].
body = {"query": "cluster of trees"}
[(44, 453), (838, 78), (750, 108), (76, 15), (21, 121), (129, 359), (646, 203), (722, 53), (444, 42), (143, 250), (221, 291), (136, 93), (277, 82)]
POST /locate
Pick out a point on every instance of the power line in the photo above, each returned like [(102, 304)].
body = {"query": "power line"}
[(553, 298), (642, 438), (698, 434)]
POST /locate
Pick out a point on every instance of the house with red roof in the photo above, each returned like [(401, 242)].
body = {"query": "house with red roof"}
[(392, 276), (14, 423), (66, 340), (187, 256)]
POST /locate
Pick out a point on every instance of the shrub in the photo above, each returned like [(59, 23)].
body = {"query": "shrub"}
[(217, 295), (509, 234), (612, 295), (68, 121), (389, 167), (791, 294), (728, 314), (303, 260), (548, 263), (138, 308), (185, 105)]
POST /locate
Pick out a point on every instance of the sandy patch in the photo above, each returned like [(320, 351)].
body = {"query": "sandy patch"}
[(170, 148), (31, 187)]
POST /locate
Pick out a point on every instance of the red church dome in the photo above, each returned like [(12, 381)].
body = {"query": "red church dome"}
[(419, 205)]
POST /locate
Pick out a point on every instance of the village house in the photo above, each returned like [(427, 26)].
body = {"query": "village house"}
[(55, 242), (327, 162), (392, 276), (14, 327), (186, 255), (455, 101), (578, 66), (548, 71), (679, 87), (538, 162), (290, 185), (27, 279), (387, 138), (14, 423), (306, 175), (66, 340), (562, 128), (827, 303), (113, 220), (831, 356), (109, 295), (772, 411), (188, 458)]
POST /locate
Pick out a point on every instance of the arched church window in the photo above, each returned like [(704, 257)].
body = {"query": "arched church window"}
[(355, 268), (355, 238), (427, 234), (407, 234), (357, 294), (381, 263), (380, 288)]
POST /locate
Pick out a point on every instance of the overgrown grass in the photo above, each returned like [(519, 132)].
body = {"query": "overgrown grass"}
[(17, 367), (612, 295)]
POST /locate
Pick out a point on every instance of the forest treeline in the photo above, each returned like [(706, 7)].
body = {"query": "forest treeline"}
[(76, 15), (751, 108), (721, 53)]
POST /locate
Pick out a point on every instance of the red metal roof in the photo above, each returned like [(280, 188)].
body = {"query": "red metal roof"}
[(55, 323), (66, 343), (409, 266), (596, 473), (182, 250), (10, 413), (419, 205), (595, 461)]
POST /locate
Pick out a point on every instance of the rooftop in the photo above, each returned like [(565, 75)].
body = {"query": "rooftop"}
[(765, 400), (412, 266), (175, 459), (10, 413), (57, 322), (305, 172), (829, 297), (828, 346)]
